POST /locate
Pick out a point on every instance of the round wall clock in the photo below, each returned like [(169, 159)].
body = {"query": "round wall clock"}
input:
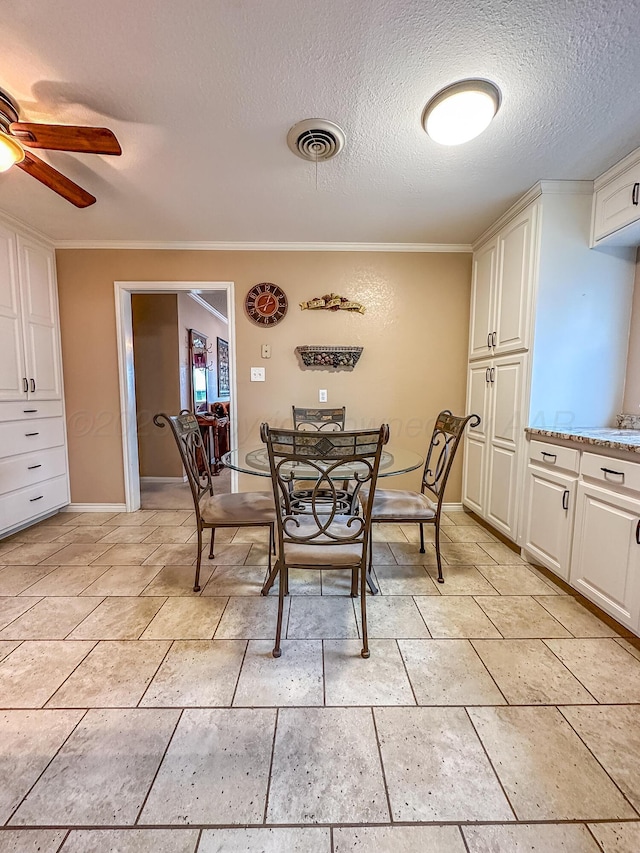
[(266, 304)]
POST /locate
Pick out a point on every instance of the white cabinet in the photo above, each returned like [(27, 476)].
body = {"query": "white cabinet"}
[(501, 289), (491, 450), (549, 324), (30, 366), (33, 455), (616, 204), (550, 505), (605, 564)]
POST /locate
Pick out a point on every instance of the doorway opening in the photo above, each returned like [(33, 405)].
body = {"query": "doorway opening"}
[(176, 350)]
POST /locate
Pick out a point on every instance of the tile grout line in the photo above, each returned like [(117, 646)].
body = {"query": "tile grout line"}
[(244, 657), (464, 839), (67, 677), (404, 664), (567, 722), (488, 671), (157, 670), (382, 770), (45, 768), (495, 772), (273, 752), (559, 659), (64, 841), (155, 775)]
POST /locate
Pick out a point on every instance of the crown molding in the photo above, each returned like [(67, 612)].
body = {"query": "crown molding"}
[(204, 304), (618, 168), (205, 246), (27, 230), (538, 189)]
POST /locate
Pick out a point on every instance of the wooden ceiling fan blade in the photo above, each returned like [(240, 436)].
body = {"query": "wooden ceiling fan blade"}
[(62, 137), (55, 180)]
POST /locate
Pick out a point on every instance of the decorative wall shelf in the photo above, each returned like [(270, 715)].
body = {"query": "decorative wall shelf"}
[(338, 358)]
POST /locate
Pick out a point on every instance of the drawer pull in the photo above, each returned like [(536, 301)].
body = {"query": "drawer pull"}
[(489, 340), (638, 532), (553, 456), (31, 433), (26, 384), (615, 473), (29, 411), (33, 385), (565, 501), (487, 375), (39, 498), (31, 467), (635, 194), (492, 373), (493, 339)]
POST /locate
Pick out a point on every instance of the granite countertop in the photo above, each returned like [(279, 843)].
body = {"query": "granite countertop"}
[(618, 439)]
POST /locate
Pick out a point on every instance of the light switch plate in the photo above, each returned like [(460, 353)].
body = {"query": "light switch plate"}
[(257, 374), (322, 395)]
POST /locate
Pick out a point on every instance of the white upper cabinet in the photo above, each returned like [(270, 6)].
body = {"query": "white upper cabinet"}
[(616, 204), (482, 296), (501, 289), (12, 368), (40, 324)]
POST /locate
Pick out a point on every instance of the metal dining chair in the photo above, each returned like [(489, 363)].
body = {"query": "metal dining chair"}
[(244, 509), (323, 535), (320, 420), (396, 506)]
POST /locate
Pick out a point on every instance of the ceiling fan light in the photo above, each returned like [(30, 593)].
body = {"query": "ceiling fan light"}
[(461, 112), (11, 152)]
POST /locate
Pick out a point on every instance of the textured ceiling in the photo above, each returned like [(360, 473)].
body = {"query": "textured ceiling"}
[(201, 96)]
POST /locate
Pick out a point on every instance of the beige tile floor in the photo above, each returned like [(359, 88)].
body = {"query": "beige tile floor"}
[(496, 712)]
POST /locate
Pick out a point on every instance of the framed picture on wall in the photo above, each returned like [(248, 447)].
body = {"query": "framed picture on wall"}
[(224, 388)]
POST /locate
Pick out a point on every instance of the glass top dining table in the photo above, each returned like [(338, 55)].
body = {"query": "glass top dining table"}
[(394, 460)]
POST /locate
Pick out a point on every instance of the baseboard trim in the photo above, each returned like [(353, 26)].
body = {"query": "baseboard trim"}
[(94, 508), (151, 480), (452, 507)]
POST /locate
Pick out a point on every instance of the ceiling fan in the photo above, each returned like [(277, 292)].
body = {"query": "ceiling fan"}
[(15, 134)]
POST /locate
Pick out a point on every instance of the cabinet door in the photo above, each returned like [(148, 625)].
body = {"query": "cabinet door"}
[(514, 290), (617, 203), (40, 320), (482, 298), (473, 486), (504, 444), (12, 368), (548, 519), (605, 564)]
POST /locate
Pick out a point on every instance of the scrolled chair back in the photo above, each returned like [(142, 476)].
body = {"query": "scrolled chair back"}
[(324, 517), (447, 434), (186, 431), (318, 420)]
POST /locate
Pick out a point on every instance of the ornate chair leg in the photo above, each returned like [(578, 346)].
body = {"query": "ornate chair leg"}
[(438, 557), (363, 609), (213, 533), (196, 583), (354, 583), (277, 651), (422, 539)]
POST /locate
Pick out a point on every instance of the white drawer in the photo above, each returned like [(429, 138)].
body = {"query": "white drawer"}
[(25, 504), (30, 410), (18, 437), (16, 472), (554, 456), (615, 473)]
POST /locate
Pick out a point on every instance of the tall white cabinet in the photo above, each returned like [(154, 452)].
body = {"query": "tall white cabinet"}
[(548, 339), (34, 477)]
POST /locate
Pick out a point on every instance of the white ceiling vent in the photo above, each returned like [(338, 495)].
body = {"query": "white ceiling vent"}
[(316, 139)]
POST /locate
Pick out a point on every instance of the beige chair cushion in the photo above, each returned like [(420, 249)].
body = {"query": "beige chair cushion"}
[(241, 508), (398, 505), (318, 552)]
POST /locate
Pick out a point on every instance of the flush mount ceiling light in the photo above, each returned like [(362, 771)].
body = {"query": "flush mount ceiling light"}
[(461, 111)]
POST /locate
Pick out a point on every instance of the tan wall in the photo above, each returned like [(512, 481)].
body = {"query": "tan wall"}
[(631, 402), (157, 369), (414, 334), (194, 316)]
